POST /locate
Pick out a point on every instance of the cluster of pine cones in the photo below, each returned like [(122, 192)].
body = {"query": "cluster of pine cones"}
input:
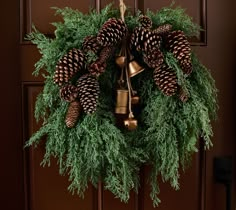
[(82, 92), (150, 42)]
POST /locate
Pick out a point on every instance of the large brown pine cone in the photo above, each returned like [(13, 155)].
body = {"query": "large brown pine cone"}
[(88, 88), (177, 43), (68, 66), (166, 79), (112, 32), (144, 40)]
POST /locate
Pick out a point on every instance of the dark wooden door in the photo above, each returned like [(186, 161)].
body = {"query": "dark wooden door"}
[(26, 185)]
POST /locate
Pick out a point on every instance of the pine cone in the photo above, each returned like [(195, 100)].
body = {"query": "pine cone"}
[(178, 44), (112, 32), (163, 29), (183, 95), (68, 66), (105, 54), (153, 58), (69, 93), (166, 79), (90, 43), (88, 87), (73, 113), (145, 22), (97, 68), (144, 40)]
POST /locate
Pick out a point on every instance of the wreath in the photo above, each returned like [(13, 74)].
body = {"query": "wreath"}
[(122, 91)]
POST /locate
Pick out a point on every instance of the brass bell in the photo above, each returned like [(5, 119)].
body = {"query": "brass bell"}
[(120, 61), (134, 68), (131, 124), (121, 101), (135, 100)]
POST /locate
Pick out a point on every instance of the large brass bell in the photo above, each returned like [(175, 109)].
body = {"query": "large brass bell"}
[(131, 123), (121, 101), (134, 68)]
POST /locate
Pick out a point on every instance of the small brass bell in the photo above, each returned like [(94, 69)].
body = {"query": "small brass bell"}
[(134, 68), (135, 100), (131, 124), (121, 101), (120, 61)]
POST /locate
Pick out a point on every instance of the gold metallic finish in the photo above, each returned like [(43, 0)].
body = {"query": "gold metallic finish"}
[(135, 100), (131, 124), (134, 68), (120, 61), (121, 101)]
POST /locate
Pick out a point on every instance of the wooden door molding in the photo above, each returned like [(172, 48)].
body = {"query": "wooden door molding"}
[(203, 23), (26, 19), (202, 176), (26, 112)]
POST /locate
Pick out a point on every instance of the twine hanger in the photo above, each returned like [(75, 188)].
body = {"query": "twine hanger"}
[(122, 14), (122, 10)]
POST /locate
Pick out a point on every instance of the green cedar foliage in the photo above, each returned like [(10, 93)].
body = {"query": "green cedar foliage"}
[(96, 149)]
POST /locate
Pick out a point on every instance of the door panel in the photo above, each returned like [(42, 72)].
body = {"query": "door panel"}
[(191, 193), (45, 189), (41, 13)]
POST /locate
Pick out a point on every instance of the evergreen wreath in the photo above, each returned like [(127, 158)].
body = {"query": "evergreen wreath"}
[(93, 132)]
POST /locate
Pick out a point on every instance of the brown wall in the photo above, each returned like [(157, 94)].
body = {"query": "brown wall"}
[(11, 175)]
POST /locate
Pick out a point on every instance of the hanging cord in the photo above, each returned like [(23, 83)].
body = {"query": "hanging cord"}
[(129, 87), (131, 57), (98, 5), (122, 14), (122, 53), (122, 10)]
